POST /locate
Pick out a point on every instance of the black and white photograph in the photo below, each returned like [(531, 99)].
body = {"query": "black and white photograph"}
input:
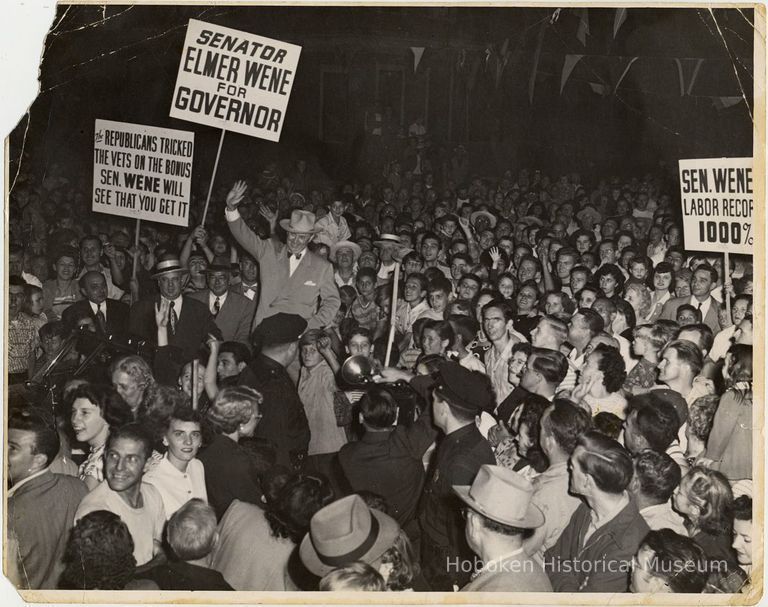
[(368, 300)]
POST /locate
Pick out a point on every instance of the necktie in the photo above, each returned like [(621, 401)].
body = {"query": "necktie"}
[(172, 317), (297, 256), (701, 303), (216, 307), (102, 320)]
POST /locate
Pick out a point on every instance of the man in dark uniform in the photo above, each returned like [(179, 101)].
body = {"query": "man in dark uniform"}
[(284, 423), (458, 397)]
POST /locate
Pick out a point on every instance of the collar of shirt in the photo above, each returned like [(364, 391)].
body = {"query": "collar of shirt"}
[(177, 304), (704, 305), (15, 488), (494, 566), (212, 298), (95, 307), (593, 525)]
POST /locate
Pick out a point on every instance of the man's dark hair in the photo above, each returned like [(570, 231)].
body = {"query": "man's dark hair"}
[(606, 461), (657, 421), (593, 320), (657, 473), (441, 283), (239, 351), (678, 560), (379, 408), (92, 237), (552, 365), (742, 508), (135, 432), (567, 422), (430, 236), (502, 305), (706, 337), (369, 272), (707, 268), (46, 438)]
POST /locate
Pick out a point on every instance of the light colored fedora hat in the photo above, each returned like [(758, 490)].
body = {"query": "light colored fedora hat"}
[(345, 244), (388, 240), (301, 222), (344, 531), (168, 264), (503, 496)]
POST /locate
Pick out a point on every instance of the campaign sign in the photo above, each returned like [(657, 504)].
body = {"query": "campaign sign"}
[(142, 172), (234, 80), (718, 203)]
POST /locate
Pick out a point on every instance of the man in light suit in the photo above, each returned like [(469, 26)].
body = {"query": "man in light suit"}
[(233, 313), (293, 279), (499, 513), (702, 284)]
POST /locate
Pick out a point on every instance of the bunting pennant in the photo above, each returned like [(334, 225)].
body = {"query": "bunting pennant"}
[(686, 90), (583, 31), (536, 56), (570, 63), (624, 73), (618, 21), (599, 88), (722, 103), (418, 52)]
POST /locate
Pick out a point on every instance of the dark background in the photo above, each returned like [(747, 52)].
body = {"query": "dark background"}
[(120, 63)]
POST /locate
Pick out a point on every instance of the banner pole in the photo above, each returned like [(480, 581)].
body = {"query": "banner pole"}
[(393, 314), (213, 177), (194, 384), (726, 282), (136, 247)]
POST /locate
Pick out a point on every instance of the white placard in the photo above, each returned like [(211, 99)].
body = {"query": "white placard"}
[(234, 80), (718, 202), (143, 172)]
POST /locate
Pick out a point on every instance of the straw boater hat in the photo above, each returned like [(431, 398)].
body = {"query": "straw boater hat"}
[(168, 264), (388, 240), (489, 216), (345, 244), (344, 531), (301, 222), (502, 495)]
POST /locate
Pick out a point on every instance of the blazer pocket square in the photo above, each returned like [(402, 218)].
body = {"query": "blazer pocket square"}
[(309, 283)]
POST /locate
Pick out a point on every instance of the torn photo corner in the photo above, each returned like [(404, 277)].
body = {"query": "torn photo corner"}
[(167, 166)]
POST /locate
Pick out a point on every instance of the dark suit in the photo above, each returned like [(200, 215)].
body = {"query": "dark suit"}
[(117, 315), (235, 316), (284, 423), (669, 311), (192, 329)]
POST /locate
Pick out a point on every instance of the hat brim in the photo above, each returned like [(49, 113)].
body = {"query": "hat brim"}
[(286, 225), (533, 518), (181, 271), (345, 244), (489, 216), (387, 243), (388, 532)]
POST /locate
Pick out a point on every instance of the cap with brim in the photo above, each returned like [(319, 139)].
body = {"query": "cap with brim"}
[(391, 240), (467, 390), (489, 216), (218, 267), (345, 244), (346, 530), (171, 265), (502, 495), (531, 221)]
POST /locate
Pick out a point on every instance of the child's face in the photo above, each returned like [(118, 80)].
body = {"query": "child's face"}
[(347, 298), (366, 286), (310, 356), (359, 345), (186, 378), (438, 300), (638, 270), (36, 304), (51, 345)]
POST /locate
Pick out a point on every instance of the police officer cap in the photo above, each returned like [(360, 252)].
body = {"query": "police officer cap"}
[(280, 329)]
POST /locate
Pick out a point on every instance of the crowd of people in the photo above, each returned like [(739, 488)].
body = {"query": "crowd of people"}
[(517, 383)]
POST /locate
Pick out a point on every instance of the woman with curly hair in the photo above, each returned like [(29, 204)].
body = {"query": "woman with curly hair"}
[(729, 446), (99, 555), (290, 501), (131, 377), (601, 380), (230, 471), (611, 280), (638, 296), (705, 500), (96, 409)]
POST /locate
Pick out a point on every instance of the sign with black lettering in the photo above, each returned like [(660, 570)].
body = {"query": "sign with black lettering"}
[(234, 80), (718, 202), (142, 172)]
